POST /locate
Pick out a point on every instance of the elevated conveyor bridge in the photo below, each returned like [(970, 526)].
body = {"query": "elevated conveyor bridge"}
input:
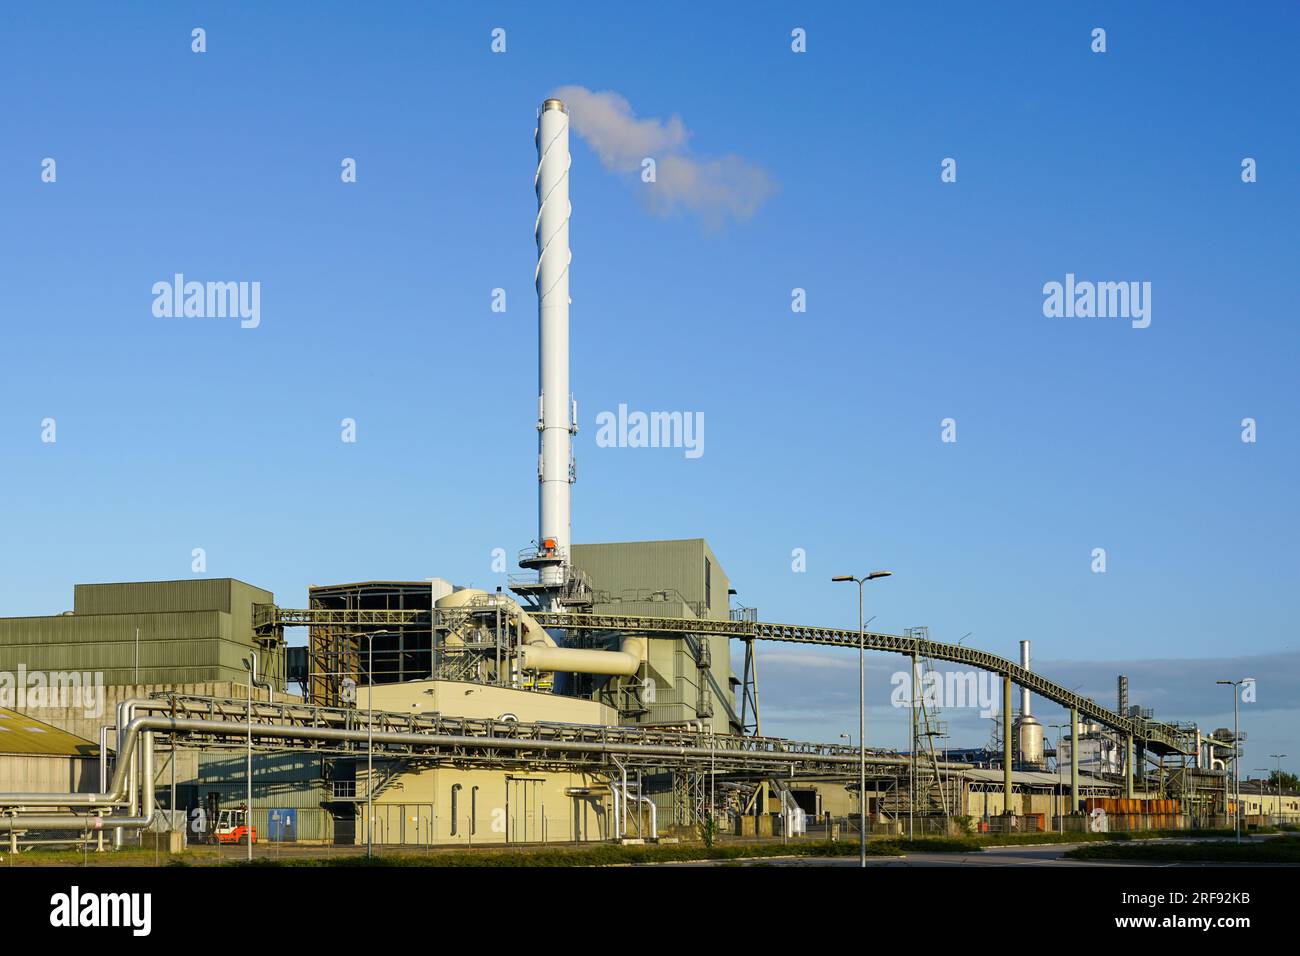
[(1159, 738)]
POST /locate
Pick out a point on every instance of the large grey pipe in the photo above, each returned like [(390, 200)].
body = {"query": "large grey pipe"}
[(613, 791), (70, 821), (117, 792), (622, 801), (123, 784), (654, 814), (236, 729), (140, 731)]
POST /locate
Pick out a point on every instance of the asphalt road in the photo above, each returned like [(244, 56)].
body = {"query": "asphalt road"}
[(1039, 855), (994, 856)]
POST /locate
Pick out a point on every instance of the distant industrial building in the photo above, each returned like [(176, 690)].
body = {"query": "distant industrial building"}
[(1266, 802)]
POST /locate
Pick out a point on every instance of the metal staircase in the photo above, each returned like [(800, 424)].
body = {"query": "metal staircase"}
[(354, 791)]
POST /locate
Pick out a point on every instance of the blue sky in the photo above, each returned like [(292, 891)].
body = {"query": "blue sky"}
[(924, 302)]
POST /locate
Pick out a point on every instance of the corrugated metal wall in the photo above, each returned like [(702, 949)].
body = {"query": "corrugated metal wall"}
[(114, 628), (43, 774), (629, 574), (284, 781), (145, 597), (632, 570), (189, 632), (173, 648)]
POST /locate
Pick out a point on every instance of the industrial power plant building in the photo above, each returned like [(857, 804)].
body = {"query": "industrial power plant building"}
[(590, 697), (428, 679)]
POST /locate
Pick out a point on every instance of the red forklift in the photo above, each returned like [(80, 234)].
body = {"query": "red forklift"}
[(230, 826)]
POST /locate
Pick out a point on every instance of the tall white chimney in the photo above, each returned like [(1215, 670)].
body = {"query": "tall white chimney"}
[(1024, 691), (555, 407)]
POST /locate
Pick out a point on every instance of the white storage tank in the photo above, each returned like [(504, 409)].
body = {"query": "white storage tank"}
[(1029, 741)]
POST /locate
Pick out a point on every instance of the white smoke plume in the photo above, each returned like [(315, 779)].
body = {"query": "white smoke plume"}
[(714, 188)]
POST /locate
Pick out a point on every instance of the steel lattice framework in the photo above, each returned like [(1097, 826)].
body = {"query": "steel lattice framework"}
[(1156, 735), (215, 723)]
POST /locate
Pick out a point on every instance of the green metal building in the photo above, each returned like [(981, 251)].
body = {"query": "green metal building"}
[(691, 676), (184, 632)]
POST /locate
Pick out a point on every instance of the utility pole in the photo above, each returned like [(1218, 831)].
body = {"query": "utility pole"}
[(1236, 752), (370, 745), (251, 664), (1006, 745), (862, 712), (911, 769), (1278, 758)]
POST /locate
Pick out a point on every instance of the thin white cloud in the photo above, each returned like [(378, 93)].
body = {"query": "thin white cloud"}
[(715, 188), (816, 661)]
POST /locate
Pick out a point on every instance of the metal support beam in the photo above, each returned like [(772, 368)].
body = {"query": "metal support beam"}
[(750, 725), (911, 748), (1006, 745), (1128, 766)]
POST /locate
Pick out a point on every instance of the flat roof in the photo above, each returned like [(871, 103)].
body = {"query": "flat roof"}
[(357, 584), (1265, 788), (118, 584), (601, 544)]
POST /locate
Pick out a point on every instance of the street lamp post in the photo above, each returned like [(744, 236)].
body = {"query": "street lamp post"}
[(1236, 752), (370, 744), (248, 770), (251, 664), (911, 745), (862, 712)]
